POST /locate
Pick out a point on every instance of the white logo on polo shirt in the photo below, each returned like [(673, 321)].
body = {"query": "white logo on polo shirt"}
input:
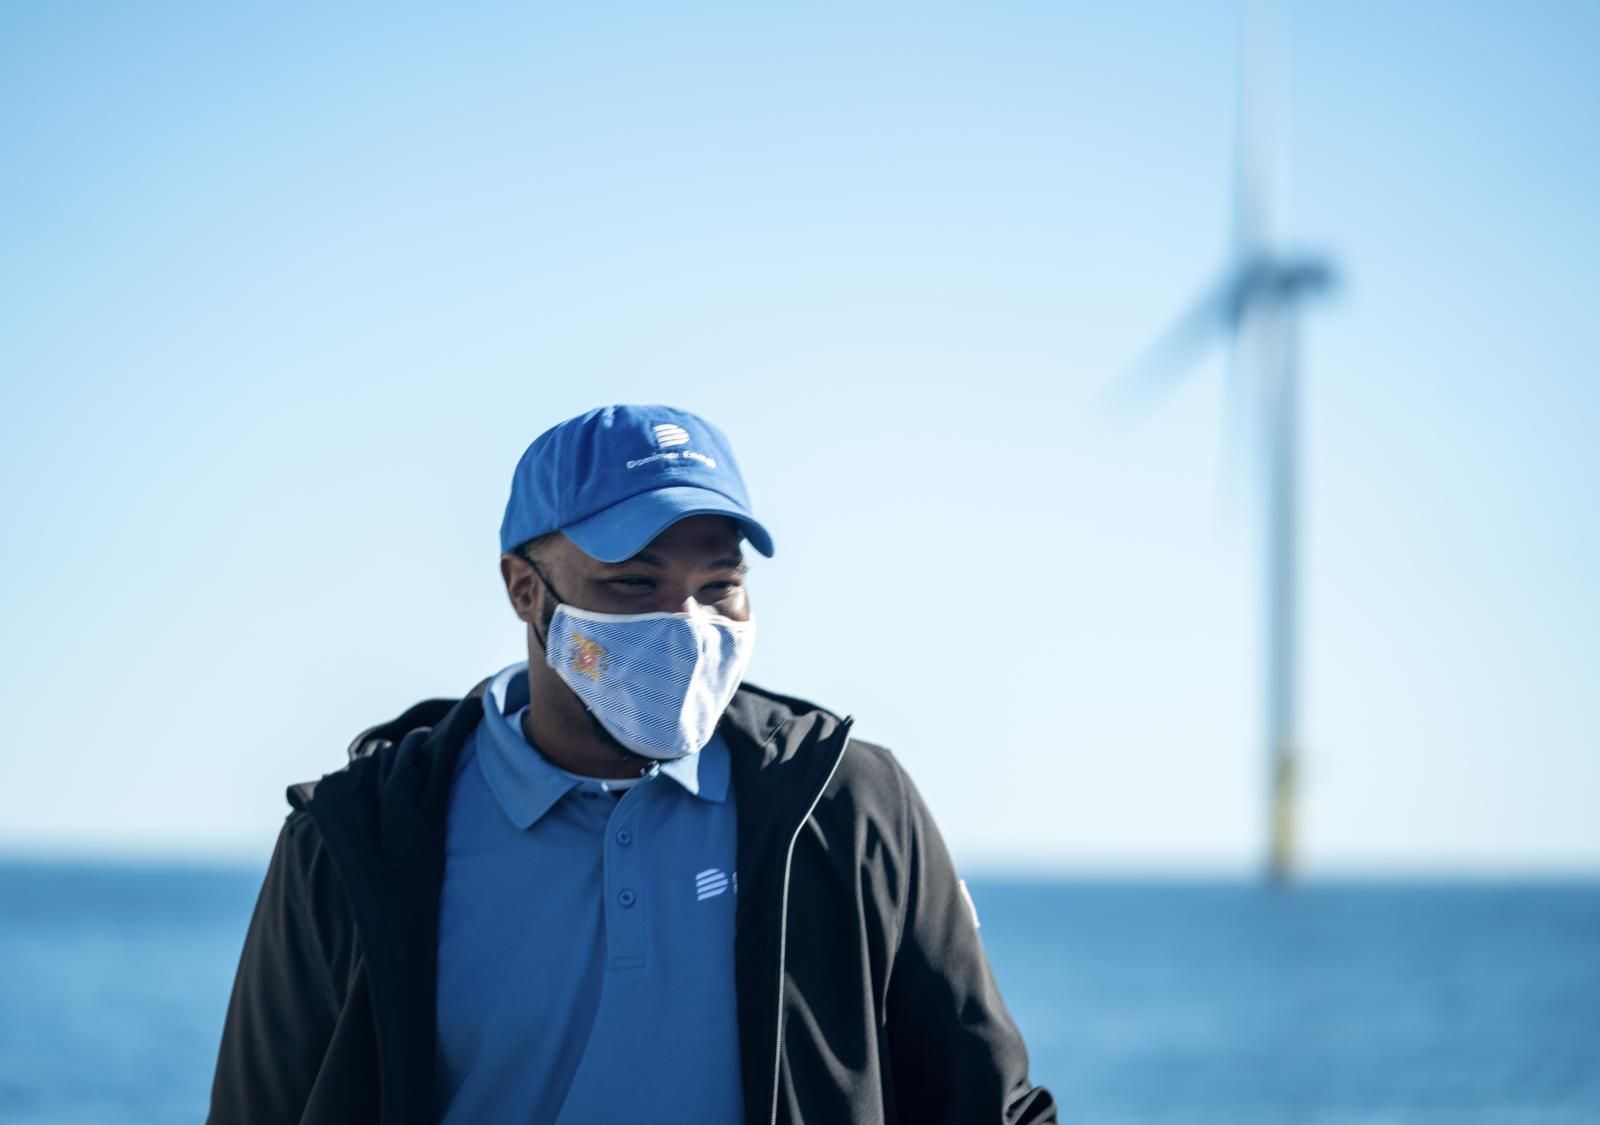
[(712, 882), (667, 434)]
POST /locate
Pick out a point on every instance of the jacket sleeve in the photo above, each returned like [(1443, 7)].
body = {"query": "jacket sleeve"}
[(957, 1056), (283, 1009)]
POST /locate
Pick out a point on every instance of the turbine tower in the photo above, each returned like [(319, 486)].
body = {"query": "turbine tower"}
[(1256, 307)]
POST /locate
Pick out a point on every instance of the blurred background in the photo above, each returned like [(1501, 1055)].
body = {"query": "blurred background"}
[(287, 289)]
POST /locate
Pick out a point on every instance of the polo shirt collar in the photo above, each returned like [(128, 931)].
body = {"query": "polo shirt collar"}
[(705, 774), (527, 784)]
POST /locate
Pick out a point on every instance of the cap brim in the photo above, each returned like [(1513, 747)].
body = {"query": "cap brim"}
[(627, 527)]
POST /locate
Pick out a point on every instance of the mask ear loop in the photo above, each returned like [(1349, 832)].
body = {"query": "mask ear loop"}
[(544, 641)]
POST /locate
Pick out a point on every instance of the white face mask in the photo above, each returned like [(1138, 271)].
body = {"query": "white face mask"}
[(658, 682)]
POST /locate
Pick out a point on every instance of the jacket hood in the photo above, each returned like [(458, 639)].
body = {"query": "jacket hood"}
[(401, 770), (755, 714)]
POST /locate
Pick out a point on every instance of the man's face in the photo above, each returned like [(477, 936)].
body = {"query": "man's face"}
[(696, 559)]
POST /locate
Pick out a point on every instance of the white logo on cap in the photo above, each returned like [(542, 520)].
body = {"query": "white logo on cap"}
[(668, 435)]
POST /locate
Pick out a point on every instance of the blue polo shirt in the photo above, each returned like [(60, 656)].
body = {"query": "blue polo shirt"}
[(585, 937)]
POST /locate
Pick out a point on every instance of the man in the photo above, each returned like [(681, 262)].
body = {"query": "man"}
[(614, 883)]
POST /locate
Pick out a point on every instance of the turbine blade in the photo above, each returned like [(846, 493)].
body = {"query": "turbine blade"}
[(1237, 449), (1256, 139), (1173, 356)]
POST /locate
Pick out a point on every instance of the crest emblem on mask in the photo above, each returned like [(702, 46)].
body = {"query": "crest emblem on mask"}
[(588, 657)]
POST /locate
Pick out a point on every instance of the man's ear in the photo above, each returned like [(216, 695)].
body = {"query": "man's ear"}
[(523, 589)]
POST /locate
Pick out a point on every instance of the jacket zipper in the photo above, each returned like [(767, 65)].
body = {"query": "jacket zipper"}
[(783, 916)]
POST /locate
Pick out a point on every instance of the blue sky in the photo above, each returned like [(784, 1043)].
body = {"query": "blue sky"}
[(287, 290)]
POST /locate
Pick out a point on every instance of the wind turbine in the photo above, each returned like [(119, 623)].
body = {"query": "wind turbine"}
[(1256, 308)]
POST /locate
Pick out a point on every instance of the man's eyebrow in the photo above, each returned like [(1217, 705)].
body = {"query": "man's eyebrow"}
[(642, 557)]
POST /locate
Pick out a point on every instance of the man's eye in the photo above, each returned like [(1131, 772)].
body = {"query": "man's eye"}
[(632, 584)]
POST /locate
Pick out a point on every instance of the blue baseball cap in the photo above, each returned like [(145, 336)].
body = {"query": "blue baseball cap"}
[(613, 479)]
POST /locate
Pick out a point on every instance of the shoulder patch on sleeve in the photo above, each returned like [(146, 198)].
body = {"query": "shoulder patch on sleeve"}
[(966, 896)]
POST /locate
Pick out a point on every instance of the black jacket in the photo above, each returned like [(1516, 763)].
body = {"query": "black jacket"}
[(863, 992)]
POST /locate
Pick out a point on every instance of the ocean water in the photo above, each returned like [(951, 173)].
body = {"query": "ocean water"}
[(1143, 1003)]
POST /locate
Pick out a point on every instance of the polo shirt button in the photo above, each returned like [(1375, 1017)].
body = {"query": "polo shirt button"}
[(626, 898), (624, 837)]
